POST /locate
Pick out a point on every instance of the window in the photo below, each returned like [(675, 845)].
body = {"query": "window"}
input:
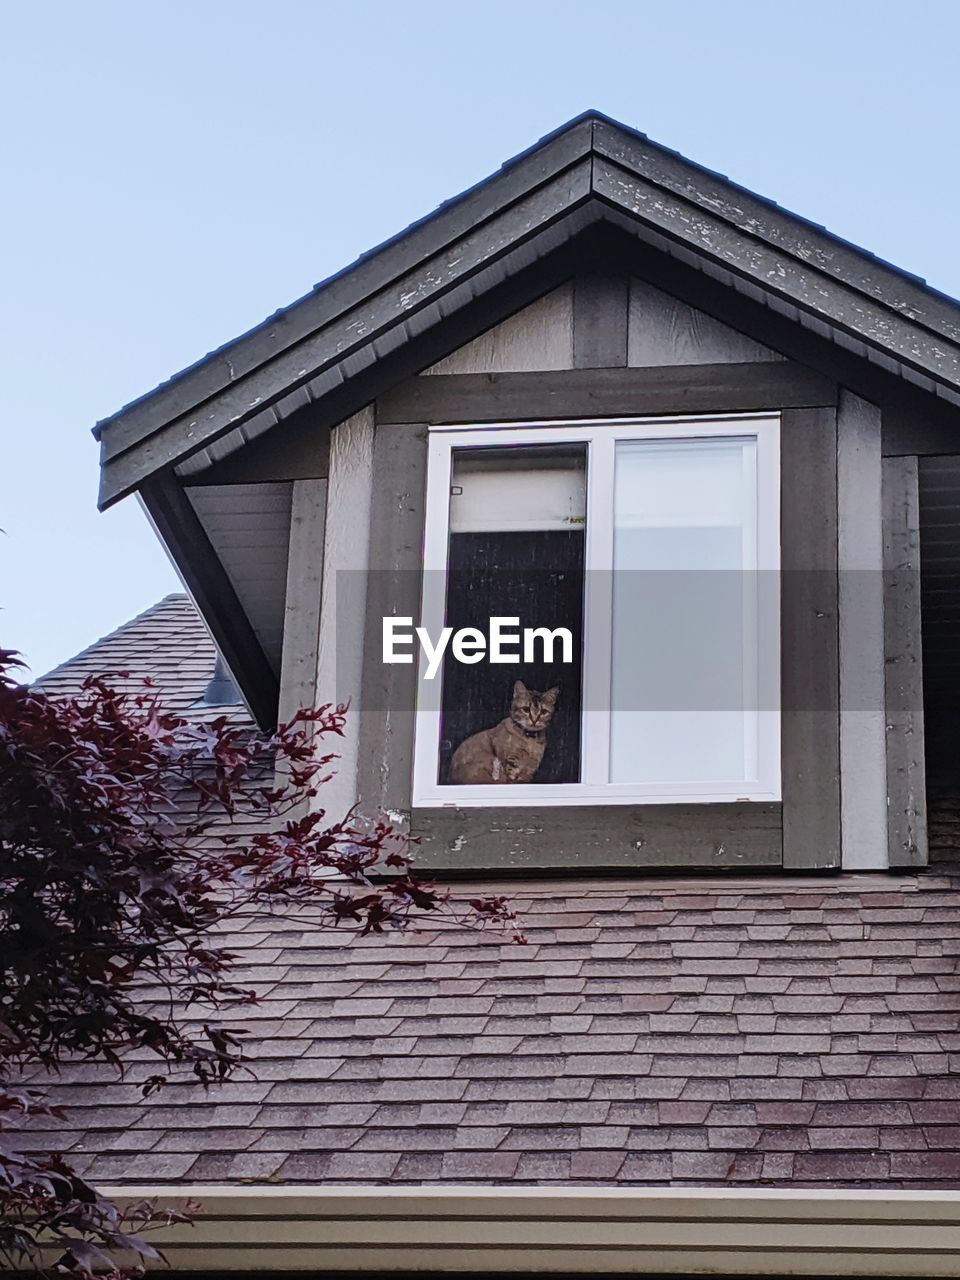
[(611, 595)]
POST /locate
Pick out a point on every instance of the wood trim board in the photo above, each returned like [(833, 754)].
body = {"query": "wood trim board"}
[(607, 392), (601, 318), (682, 837), (810, 663), (906, 764)]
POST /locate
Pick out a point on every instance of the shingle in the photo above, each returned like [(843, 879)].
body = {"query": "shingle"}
[(646, 1166), (733, 1138), (701, 1166), (842, 1166), (683, 1112), (466, 1165), (596, 1166), (847, 1139), (755, 1030), (543, 1167), (541, 1138), (359, 1165), (800, 1113)]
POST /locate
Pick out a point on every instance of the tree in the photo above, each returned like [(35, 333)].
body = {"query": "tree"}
[(119, 861)]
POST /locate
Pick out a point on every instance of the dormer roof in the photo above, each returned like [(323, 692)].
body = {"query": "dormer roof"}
[(594, 186)]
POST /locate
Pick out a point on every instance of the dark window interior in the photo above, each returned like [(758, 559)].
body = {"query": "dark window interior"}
[(537, 577), (516, 550)]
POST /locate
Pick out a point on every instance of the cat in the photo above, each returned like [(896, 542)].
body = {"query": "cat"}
[(512, 750)]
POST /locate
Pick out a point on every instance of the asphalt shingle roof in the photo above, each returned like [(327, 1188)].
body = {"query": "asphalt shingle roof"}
[(167, 644), (758, 1030)]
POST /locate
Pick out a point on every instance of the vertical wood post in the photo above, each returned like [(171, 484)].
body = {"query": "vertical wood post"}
[(345, 545), (863, 753), (601, 316), (385, 767), (301, 621), (810, 640), (906, 766)]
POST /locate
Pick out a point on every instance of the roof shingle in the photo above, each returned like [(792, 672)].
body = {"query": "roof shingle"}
[(766, 1030)]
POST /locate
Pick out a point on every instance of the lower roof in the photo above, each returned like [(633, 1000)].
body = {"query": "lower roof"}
[(750, 1032), (168, 646), (756, 1031)]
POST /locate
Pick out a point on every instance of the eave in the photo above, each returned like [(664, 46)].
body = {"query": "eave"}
[(481, 257), (592, 162)]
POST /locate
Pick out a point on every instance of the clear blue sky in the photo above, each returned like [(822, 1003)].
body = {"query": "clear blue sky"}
[(176, 171)]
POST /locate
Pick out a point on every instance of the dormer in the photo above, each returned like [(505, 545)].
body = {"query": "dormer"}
[(609, 393)]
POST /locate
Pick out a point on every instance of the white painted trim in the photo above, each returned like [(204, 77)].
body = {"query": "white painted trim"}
[(535, 1230), (600, 435)]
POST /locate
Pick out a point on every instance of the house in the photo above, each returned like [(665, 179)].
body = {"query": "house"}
[(610, 393)]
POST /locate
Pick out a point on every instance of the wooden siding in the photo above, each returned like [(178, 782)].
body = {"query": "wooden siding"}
[(651, 837), (838, 286), (659, 330), (700, 837), (809, 640), (863, 758), (396, 557), (540, 336), (249, 526), (600, 1229), (906, 764), (727, 280), (345, 555), (301, 621), (663, 330), (600, 320)]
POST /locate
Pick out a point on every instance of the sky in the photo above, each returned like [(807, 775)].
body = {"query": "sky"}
[(174, 172)]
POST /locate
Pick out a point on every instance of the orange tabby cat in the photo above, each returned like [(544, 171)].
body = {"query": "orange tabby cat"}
[(512, 750)]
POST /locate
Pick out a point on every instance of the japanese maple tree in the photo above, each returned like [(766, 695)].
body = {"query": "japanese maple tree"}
[(122, 854)]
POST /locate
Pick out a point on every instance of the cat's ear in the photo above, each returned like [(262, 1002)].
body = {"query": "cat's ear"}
[(520, 689), (551, 696)]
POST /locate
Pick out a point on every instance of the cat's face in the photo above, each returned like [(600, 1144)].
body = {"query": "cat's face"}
[(532, 710)]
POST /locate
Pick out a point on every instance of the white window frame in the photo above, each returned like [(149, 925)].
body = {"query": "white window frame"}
[(601, 436)]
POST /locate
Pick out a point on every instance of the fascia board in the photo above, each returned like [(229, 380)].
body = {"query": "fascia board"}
[(348, 288), (791, 278), (899, 290)]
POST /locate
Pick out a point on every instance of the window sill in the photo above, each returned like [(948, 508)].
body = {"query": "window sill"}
[(551, 839), (563, 796)]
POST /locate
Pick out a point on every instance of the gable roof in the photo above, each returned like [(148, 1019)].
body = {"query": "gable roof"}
[(168, 645), (589, 170), (235, 431), (766, 1031)]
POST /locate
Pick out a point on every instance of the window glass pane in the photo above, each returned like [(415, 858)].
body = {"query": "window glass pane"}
[(517, 522), (684, 624)]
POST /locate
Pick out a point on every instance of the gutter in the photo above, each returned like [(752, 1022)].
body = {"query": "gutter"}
[(583, 1230)]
